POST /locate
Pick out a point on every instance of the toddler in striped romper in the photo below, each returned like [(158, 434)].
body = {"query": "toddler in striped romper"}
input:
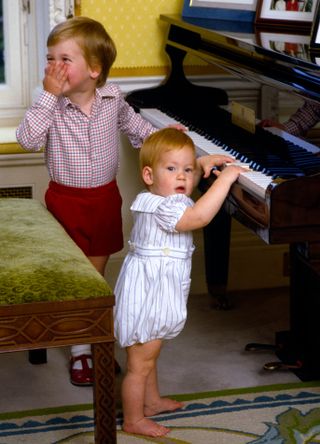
[(153, 285)]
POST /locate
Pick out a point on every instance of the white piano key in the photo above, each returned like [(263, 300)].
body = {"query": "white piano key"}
[(240, 164), (161, 120), (255, 183), (157, 118), (205, 146)]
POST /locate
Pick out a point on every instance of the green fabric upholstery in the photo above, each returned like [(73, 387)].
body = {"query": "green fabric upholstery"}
[(39, 261)]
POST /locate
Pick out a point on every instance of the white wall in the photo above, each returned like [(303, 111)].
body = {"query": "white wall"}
[(24, 170)]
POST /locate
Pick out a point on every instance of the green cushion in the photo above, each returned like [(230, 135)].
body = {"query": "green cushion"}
[(39, 261)]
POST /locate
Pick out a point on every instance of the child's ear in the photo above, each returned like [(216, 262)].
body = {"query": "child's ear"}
[(95, 72), (147, 175)]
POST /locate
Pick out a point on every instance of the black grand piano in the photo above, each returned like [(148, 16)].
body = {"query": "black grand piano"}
[(279, 199)]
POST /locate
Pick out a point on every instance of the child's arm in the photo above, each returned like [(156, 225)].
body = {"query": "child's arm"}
[(207, 206), (33, 130)]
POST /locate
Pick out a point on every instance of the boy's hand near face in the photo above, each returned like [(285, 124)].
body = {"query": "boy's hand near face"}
[(56, 74)]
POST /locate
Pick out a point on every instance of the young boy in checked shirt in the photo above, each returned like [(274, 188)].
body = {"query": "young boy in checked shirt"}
[(77, 119)]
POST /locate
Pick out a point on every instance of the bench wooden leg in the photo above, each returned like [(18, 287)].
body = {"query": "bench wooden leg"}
[(104, 393)]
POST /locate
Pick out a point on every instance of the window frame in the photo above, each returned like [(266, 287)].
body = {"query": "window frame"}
[(27, 24), (13, 93)]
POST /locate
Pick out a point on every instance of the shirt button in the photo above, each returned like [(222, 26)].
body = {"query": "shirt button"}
[(166, 251)]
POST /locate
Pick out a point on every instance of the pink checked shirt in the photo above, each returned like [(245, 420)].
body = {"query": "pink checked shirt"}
[(303, 119), (82, 151)]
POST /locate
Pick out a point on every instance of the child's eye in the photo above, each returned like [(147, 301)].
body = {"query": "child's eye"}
[(189, 170), (170, 168)]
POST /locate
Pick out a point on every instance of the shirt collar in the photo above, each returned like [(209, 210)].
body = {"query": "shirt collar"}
[(104, 92), (107, 90)]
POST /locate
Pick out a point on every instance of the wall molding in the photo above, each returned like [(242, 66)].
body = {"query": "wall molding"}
[(60, 10), (23, 159)]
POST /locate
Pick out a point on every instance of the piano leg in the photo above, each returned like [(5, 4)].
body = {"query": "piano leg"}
[(216, 251), (302, 342), (298, 348)]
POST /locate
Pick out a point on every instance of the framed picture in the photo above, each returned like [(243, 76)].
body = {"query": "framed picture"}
[(293, 45), (241, 10), (315, 58), (315, 31), (294, 14)]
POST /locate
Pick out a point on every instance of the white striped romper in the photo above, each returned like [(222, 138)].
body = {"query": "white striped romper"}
[(154, 282)]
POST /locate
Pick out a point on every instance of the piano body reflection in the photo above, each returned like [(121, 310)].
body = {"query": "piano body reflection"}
[(280, 198)]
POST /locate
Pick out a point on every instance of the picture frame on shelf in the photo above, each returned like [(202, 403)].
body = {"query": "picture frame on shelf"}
[(240, 10), (293, 45), (286, 14), (315, 31)]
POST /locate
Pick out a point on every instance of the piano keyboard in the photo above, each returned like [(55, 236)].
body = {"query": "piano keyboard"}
[(295, 140), (255, 182)]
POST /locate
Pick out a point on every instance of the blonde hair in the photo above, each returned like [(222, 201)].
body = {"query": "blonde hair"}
[(97, 46), (162, 141)]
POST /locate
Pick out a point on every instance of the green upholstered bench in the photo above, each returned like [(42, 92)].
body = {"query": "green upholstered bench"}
[(52, 296)]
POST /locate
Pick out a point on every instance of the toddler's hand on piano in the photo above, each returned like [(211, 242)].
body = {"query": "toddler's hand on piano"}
[(231, 171), (211, 162)]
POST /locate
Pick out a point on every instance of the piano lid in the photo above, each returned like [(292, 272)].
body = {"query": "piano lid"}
[(281, 60)]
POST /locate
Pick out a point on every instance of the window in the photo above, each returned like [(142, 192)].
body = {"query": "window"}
[(14, 79), (24, 26), (1, 46)]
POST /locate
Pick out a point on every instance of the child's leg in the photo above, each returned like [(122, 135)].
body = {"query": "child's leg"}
[(99, 263), (141, 361), (81, 372), (153, 403)]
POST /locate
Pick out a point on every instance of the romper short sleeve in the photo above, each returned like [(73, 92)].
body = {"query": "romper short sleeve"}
[(170, 211)]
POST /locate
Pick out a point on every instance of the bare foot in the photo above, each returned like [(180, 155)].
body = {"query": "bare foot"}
[(163, 405), (145, 427)]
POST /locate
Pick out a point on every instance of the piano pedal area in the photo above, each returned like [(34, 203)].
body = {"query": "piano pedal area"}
[(280, 348), (278, 365), (298, 349)]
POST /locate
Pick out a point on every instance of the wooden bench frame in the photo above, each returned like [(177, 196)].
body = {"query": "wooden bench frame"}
[(41, 325)]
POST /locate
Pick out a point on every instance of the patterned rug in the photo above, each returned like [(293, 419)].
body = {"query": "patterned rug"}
[(278, 414)]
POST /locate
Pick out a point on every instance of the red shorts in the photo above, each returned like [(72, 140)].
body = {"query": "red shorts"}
[(91, 216)]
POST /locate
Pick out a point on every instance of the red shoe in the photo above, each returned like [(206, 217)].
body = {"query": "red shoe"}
[(83, 376)]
